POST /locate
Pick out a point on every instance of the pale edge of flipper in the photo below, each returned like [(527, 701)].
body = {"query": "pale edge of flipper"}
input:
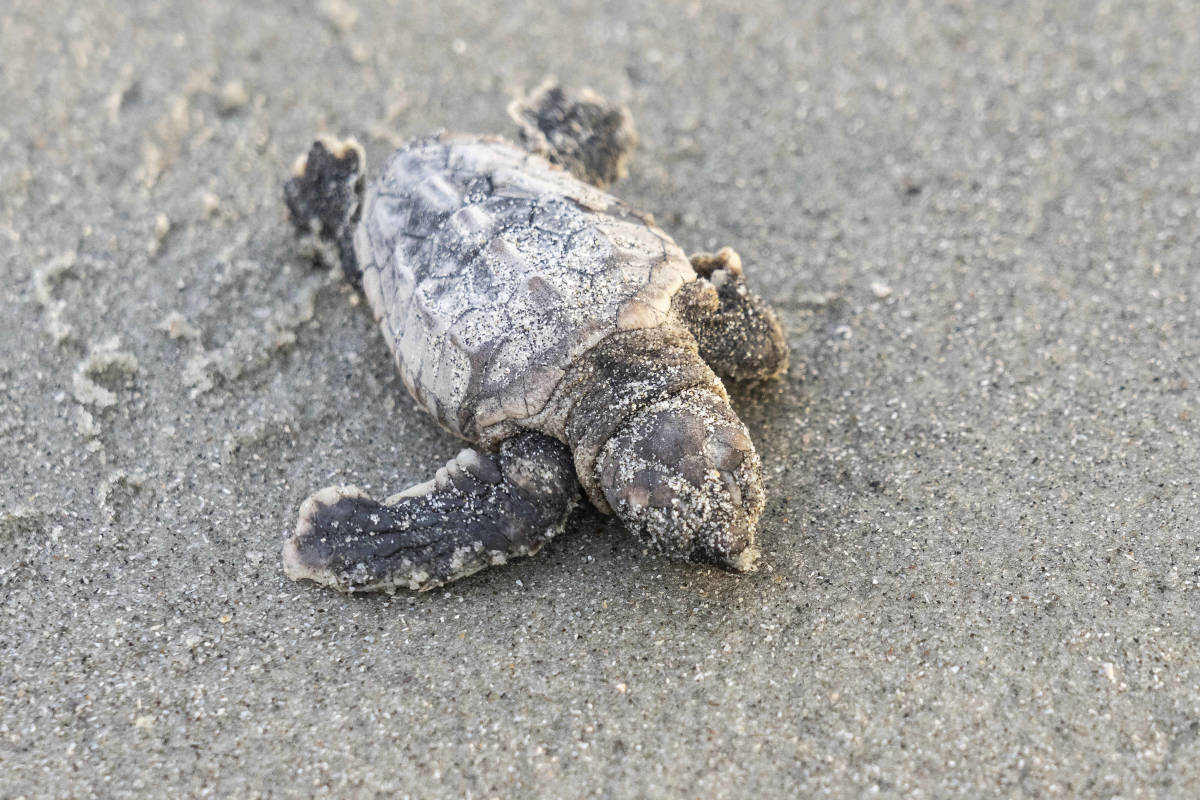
[(324, 200), (583, 132), (480, 509)]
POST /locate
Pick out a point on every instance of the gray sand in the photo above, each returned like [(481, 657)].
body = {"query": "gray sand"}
[(981, 551)]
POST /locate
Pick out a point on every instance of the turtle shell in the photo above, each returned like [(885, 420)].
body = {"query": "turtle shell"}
[(491, 271)]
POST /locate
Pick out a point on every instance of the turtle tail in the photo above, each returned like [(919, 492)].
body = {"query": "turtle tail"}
[(324, 198)]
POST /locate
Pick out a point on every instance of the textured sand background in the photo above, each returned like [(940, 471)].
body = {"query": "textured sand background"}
[(982, 560)]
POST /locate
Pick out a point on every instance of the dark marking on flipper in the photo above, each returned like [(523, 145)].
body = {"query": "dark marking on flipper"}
[(584, 133), (324, 197), (480, 509), (739, 334)]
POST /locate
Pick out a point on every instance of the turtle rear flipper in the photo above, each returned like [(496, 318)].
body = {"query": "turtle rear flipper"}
[(584, 133), (481, 509), (324, 197)]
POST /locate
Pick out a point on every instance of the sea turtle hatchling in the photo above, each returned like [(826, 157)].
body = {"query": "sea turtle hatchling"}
[(554, 327)]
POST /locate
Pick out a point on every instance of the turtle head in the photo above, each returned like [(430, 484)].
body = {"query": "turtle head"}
[(683, 475)]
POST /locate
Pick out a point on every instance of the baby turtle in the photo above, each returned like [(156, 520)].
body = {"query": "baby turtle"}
[(554, 327)]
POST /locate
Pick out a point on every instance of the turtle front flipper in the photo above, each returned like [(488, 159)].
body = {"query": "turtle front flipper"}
[(584, 133), (739, 334), (480, 509)]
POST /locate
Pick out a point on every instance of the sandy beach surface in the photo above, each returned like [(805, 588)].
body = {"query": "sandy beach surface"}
[(981, 550)]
